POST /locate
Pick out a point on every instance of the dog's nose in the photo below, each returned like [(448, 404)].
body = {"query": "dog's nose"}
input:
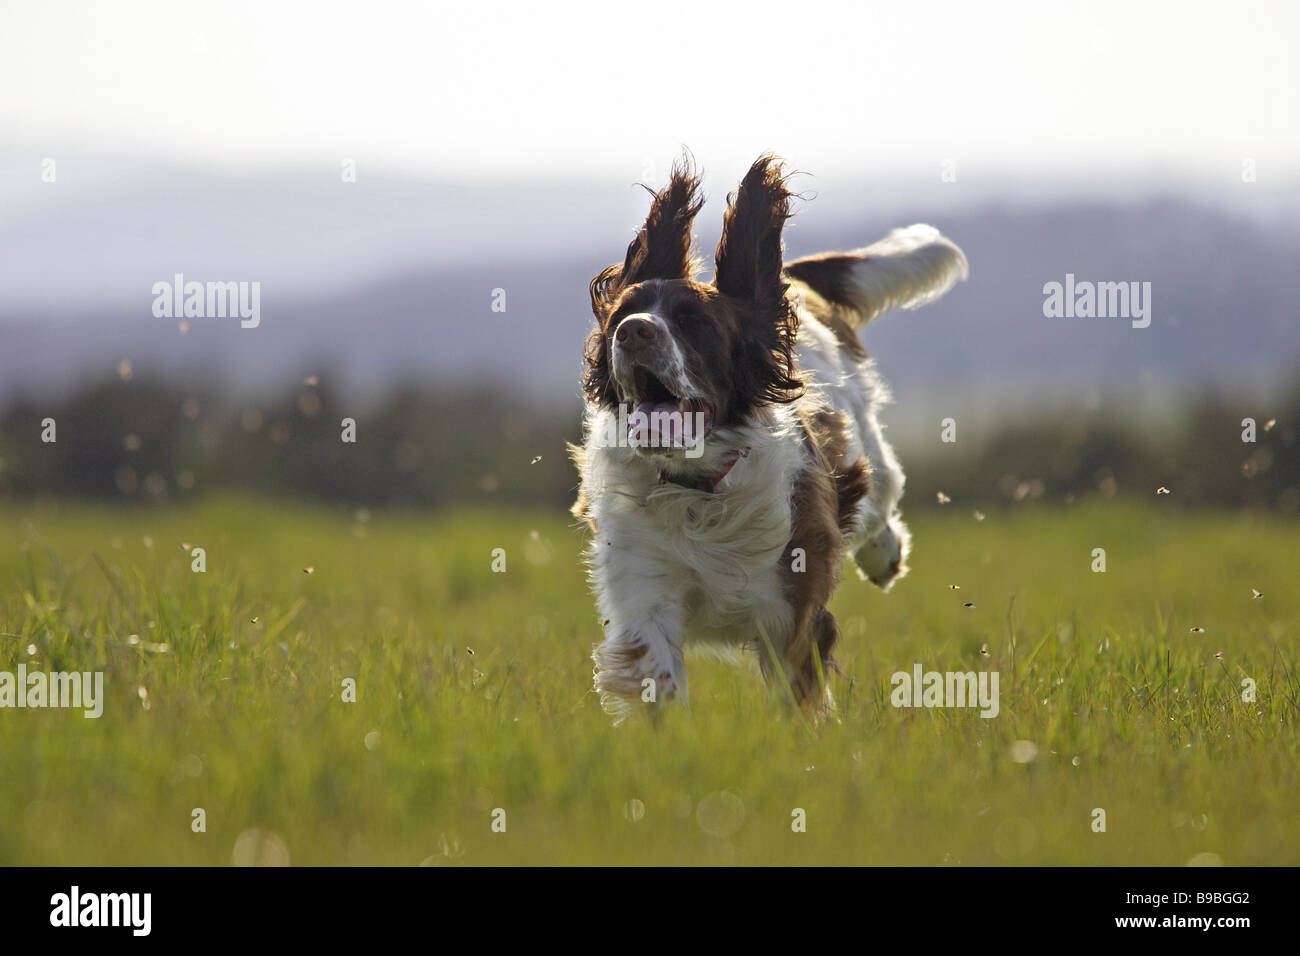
[(637, 332)]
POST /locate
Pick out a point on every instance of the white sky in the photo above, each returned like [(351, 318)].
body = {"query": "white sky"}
[(543, 89)]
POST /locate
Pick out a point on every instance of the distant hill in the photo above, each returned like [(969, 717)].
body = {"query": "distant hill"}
[(396, 282)]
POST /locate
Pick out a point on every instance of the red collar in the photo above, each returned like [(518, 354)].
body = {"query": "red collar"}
[(708, 483)]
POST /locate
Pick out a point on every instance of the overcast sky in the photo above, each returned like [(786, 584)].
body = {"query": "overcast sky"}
[(544, 89)]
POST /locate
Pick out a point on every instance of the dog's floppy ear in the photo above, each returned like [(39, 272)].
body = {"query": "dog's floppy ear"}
[(663, 249), (748, 259), (748, 264)]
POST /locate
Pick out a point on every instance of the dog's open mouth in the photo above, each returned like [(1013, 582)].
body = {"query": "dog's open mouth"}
[(660, 418)]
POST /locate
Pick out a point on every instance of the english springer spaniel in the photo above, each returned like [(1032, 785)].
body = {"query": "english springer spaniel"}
[(732, 454)]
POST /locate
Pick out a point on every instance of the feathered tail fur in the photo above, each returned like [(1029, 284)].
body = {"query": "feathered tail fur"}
[(910, 267)]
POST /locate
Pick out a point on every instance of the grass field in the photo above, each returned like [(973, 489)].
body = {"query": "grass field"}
[(473, 693)]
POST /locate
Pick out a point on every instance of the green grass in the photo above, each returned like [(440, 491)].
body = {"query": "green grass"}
[(1128, 709)]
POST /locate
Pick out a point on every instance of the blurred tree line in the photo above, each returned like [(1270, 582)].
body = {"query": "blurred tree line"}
[(142, 441), (137, 441)]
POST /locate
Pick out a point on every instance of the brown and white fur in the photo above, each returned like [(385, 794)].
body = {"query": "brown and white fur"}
[(739, 542)]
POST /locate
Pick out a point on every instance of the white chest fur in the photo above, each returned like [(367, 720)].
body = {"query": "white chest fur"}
[(714, 560)]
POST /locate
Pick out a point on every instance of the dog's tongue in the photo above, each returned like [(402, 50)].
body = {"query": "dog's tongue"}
[(649, 408), (665, 425)]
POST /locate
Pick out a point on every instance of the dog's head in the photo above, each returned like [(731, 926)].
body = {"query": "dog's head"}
[(665, 342)]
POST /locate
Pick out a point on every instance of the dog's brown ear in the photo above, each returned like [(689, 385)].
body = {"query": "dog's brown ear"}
[(748, 264), (663, 249), (748, 259)]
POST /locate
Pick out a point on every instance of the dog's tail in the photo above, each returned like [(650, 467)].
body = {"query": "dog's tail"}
[(908, 268)]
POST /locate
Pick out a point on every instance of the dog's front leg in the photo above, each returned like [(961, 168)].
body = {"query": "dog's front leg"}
[(640, 660), (799, 654), (639, 663)]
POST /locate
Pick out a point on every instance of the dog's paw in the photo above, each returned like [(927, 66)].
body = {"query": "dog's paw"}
[(882, 560), (627, 676)]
